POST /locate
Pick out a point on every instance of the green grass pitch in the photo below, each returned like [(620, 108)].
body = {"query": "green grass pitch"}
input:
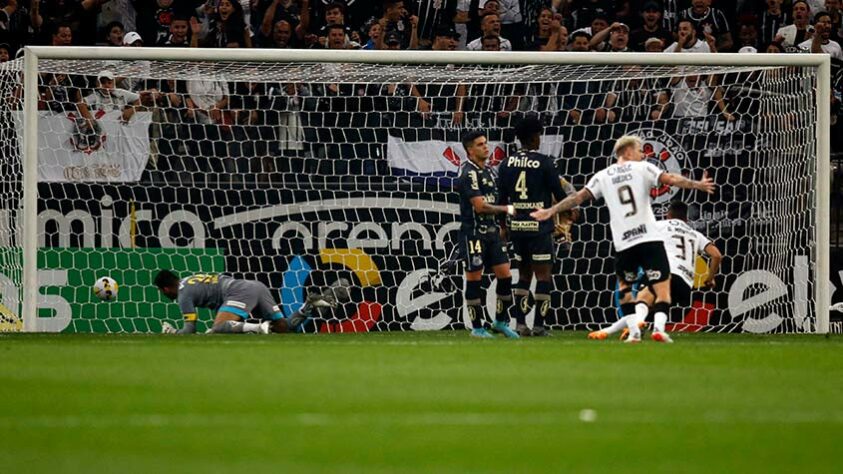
[(419, 403)]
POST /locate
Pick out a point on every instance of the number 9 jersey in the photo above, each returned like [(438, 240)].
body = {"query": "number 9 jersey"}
[(626, 189)]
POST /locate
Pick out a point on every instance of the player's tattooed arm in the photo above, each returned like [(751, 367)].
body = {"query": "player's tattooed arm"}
[(706, 184), (482, 207), (569, 202)]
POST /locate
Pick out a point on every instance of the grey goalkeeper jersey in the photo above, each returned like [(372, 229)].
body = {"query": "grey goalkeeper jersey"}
[(203, 291)]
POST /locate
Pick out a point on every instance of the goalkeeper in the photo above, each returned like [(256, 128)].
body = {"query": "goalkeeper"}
[(234, 300)]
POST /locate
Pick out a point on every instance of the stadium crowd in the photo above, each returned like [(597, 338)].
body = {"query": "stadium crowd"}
[(214, 118)]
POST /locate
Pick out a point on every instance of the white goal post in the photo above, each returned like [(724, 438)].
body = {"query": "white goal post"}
[(36, 55)]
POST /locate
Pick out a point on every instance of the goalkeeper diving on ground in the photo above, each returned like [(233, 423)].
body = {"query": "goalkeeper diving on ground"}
[(235, 302)]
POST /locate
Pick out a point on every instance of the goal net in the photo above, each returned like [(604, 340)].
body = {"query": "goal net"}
[(312, 174)]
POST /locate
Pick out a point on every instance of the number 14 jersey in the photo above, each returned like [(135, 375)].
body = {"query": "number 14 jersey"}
[(626, 189)]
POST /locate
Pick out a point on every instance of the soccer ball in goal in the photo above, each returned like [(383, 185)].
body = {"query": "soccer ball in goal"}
[(302, 168)]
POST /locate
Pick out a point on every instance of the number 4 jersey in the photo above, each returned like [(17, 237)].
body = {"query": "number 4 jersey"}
[(682, 244), (626, 189)]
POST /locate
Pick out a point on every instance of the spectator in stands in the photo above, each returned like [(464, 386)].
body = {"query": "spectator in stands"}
[(491, 43), (154, 19), (282, 36), (771, 20), (800, 30), (833, 9), (653, 45), (709, 21), (132, 38), (374, 33), (179, 33), (579, 41), (687, 41), (821, 42), (599, 23), (337, 38), (395, 20), (583, 12), (747, 35), (651, 27), (392, 42), (442, 98), (614, 39), (15, 23), (490, 25), (775, 47), (114, 34), (690, 97), (107, 98), (550, 34), (226, 28), (62, 35), (509, 12), (5, 52), (432, 13)]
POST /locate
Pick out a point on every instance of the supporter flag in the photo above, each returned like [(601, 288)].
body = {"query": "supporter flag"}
[(115, 151)]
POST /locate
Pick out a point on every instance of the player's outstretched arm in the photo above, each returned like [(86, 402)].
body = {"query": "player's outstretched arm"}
[(714, 259), (569, 202), (482, 207), (706, 184)]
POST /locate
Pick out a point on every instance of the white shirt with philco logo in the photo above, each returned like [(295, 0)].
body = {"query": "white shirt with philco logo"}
[(682, 244), (626, 189)]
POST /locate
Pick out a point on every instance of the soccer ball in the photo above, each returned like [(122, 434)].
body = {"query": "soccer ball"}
[(105, 288)]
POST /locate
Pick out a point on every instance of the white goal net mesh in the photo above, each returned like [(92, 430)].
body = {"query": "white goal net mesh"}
[(308, 174)]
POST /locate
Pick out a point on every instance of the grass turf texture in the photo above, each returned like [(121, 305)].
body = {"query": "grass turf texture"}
[(419, 402)]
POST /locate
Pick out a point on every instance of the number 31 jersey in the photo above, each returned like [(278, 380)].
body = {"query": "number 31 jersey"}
[(682, 244), (626, 189)]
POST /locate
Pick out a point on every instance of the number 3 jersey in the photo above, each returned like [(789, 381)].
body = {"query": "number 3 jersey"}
[(528, 181), (682, 244), (626, 189)]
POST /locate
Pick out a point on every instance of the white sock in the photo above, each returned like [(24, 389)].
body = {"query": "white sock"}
[(632, 324), (660, 320), (616, 326), (252, 327), (641, 312)]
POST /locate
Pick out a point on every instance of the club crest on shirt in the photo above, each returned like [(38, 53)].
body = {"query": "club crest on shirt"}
[(667, 153)]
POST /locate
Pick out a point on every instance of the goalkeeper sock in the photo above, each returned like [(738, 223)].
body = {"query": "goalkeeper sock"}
[(472, 300), (522, 302), (542, 302), (504, 301), (236, 327), (660, 319), (189, 328)]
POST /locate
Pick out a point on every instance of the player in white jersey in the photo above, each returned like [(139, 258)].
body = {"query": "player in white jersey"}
[(682, 244), (625, 186)]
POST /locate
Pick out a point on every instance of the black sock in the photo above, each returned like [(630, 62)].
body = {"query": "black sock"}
[(522, 301), (472, 300), (542, 302), (504, 293)]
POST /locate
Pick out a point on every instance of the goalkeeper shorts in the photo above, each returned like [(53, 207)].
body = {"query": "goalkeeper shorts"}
[(250, 299)]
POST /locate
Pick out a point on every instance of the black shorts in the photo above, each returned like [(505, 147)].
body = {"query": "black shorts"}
[(483, 251), (648, 256), (535, 249), (680, 292)]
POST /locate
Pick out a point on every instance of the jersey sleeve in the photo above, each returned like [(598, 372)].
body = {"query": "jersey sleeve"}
[(702, 242), (186, 304), (593, 186), (652, 172)]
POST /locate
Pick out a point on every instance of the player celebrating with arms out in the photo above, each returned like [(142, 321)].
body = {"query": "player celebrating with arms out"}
[(234, 301), (529, 180), (682, 245), (480, 240), (625, 186)]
